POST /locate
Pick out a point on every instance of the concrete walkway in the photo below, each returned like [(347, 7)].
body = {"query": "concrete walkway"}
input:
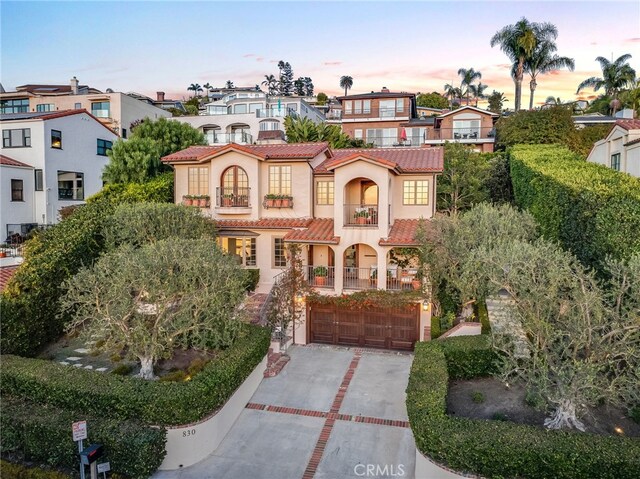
[(331, 413)]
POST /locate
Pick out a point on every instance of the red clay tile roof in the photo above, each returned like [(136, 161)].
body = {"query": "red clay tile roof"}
[(404, 160), (632, 142), (5, 160), (271, 135), (305, 151), (628, 124), (403, 233), (264, 223), (320, 230), (6, 272)]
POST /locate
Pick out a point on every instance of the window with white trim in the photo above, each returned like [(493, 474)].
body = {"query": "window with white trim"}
[(615, 161), (279, 253), (16, 138), (415, 192), (324, 192)]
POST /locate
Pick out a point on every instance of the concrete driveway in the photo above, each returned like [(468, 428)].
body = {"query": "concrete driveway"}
[(331, 413)]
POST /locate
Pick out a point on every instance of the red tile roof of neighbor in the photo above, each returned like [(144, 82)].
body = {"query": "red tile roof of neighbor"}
[(319, 230), (264, 223), (632, 142), (5, 160), (6, 272), (403, 233), (405, 160), (628, 124), (305, 151)]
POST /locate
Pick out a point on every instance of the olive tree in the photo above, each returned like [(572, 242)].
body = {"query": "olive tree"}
[(161, 296), (582, 348)]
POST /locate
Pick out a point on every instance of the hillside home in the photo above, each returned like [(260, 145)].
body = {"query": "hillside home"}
[(48, 161), (116, 110), (354, 211), (468, 125), (247, 116), (620, 149)]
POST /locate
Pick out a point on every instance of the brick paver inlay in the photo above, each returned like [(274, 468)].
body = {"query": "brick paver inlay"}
[(330, 416)]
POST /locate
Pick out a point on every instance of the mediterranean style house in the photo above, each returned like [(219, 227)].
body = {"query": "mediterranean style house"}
[(620, 150), (355, 211), (392, 119), (48, 161), (249, 115), (117, 111)]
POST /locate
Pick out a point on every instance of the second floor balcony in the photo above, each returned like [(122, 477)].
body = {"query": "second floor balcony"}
[(468, 134), (215, 138), (360, 215), (230, 197)]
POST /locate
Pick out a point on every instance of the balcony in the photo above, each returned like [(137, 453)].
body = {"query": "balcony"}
[(374, 113), (224, 138), (275, 113), (229, 197), (399, 279), (469, 135), (393, 141), (320, 276), (361, 215), (360, 278)]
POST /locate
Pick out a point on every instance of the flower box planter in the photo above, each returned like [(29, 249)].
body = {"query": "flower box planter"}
[(187, 200), (321, 280), (361, 220), (227, 201)]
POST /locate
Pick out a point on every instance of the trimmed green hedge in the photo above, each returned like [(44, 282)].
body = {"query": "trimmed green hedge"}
[(592, 210), (10, 470), (151, 402), (499, 448), (42, 433)]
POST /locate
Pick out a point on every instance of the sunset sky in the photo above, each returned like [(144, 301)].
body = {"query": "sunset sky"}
[(405, 46)]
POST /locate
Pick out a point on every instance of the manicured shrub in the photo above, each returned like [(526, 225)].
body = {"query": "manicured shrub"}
[(253, 278), (9, 470), (500, 448), (156, 190), (42, 433), (124, 397), (142, 223), (435, 327), (590, 209)]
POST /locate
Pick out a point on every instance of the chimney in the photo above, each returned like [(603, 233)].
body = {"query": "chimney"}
[(74, 86), (160, 96), (384, 89)]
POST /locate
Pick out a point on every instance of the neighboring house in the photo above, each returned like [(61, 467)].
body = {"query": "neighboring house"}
[(348, 208), (246, 116), (116, 110), (467, 124), (425, 111), (49, 161), (379, 118), (590, 119), (620, 150), (160, 101)]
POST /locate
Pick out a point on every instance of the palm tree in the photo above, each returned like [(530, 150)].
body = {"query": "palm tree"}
[(271, 82), (616, 75), (468, 77), (551, 100), (452, 92), (346, 82), (195, 87), (518, 42), (478, 91), (544, 60)]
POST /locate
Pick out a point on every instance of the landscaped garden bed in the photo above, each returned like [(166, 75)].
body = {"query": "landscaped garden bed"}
[(494, 448), (488, 398)]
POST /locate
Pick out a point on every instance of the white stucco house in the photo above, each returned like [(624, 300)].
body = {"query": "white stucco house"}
[(49, 161), (620, 149), (246, 116)]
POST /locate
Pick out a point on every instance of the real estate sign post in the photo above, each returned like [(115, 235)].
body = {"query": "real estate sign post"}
[(79, 430)]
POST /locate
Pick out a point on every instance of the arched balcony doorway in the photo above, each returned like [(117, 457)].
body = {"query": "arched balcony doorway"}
[(361, 203)]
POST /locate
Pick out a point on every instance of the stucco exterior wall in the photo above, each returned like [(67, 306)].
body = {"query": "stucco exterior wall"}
[(633, 160), (402, 211), (78, 154), (16, 212)]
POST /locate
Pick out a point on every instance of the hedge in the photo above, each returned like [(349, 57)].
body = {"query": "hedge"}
[(500, 448), (41, 433), (10, 470), (590, 209), (151, 402)]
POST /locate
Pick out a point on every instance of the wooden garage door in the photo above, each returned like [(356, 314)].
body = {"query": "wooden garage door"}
[(373, 328)]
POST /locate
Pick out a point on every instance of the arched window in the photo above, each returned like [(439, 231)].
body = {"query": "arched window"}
[(235, 187)]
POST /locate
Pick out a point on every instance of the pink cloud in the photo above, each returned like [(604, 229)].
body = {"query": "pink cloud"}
[(332, 63), (249, 55), (633, 40), (593, 43)]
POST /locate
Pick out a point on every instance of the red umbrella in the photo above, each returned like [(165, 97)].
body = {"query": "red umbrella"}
[(403, 134)]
